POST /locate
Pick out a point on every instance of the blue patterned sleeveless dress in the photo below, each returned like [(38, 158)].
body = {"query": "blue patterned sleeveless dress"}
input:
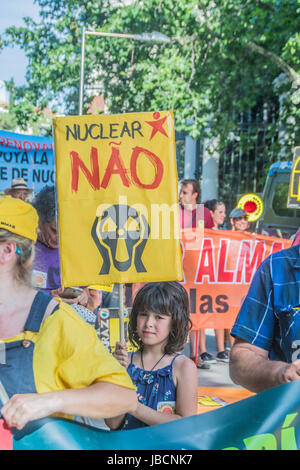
[(155, 389)]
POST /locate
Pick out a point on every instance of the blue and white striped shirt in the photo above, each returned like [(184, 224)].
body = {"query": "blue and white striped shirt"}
[(270, 314)]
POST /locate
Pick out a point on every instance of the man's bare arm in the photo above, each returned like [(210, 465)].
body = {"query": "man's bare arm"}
[(251, 368)]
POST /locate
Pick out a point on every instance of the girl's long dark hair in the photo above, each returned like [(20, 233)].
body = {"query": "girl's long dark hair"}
[(167, 298)]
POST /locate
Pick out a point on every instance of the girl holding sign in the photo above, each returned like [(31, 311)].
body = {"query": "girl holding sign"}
[(166, 381)]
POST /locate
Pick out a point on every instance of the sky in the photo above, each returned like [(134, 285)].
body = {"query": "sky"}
[(12, 60)]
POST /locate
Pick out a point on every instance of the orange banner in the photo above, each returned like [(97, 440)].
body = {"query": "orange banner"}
[(218, 268)]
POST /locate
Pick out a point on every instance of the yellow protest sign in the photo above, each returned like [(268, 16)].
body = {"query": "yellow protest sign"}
[(117, 198), (108, 328), (294, 186)]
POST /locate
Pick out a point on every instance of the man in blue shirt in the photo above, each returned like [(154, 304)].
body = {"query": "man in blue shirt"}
[(266, 351)]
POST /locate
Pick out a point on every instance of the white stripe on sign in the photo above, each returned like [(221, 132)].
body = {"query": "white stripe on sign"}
[(2, 353), (3, 395)]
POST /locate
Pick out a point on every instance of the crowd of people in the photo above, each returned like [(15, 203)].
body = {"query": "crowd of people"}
[(53, 362), (51, 337), (265, 348), (213, 212)]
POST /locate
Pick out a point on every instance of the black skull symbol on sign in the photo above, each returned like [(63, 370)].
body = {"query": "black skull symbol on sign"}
[(120, 229)]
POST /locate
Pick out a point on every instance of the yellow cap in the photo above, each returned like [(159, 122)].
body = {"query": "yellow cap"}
[(18, 217)]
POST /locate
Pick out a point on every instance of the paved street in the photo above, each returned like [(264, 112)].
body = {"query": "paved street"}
[(218, 374)]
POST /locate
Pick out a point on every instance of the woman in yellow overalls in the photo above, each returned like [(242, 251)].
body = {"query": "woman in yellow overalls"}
[(51, 360)]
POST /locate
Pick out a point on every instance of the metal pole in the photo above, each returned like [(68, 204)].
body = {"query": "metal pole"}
[(115, 35), (121, 312), (3, 394), (112, 35), (139, 37), (81, 71)]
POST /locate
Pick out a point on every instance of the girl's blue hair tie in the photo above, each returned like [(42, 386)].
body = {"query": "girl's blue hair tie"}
[(18, 251)]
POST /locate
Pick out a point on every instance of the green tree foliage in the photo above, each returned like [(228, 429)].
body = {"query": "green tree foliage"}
[(222, 60), (8, 121)]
